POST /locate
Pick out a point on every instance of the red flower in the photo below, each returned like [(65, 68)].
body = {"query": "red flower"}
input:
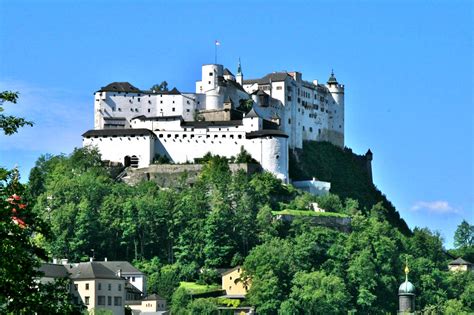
[(19, 222), (16, 197), (22, 206)]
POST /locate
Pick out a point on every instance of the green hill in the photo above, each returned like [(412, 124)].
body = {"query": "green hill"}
[(348, 174)]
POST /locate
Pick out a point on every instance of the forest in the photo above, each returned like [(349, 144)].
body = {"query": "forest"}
[(224, 219)]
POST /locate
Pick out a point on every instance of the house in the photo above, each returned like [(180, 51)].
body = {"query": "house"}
[(150, 305), (460, 265), (129, 272), (233, 284), (98, 287)]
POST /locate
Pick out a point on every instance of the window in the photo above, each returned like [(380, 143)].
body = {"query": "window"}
[(149, 110), (87, 300), (109, 300), (99, 286), (133, 279), (310, 129), (209, 82), (120, 287), (131, 109), (100, 300), (138, 99), (110, 286), (119, 109), (188, 110), (173, 109), (75, 287), (87, 286), (278, 87), (117, 300), (211, 74), (161, 102), (289, 98), (289, 121)]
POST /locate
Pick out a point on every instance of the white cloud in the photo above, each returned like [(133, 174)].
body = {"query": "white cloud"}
[(439, 206)]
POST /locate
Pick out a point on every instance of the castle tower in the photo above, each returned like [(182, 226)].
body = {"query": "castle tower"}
[(211, 76), (368, 161), (336, 126), (240, 75), (406, 295)]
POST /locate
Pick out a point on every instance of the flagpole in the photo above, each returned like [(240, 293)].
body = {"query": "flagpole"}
[(215, 53)]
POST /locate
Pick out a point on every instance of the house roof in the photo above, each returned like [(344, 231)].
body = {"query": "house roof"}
[(460, 261), (124, 266), (227, 72), (205, 124), (118, 132), (273, 77), (266, 133), (54, 270), (252, 114), (153, 297), (230, 270), (236, 85), (120, 87), (91, 270)]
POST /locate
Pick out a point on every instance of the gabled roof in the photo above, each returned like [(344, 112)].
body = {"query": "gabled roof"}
[(91, 270), (153, 297), (235, 85), (117, 132), (120, 87), (54, 270), (252, 114), (273, 77), (227, 72), (231, 270), (460, 261), (124, 266)]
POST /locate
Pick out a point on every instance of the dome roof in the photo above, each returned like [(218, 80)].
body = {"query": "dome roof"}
[(406, 287)]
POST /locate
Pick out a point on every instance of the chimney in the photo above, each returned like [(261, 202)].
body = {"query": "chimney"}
[(119, 273), (105, 259), (64, 261), (55, 260), (91, 259)]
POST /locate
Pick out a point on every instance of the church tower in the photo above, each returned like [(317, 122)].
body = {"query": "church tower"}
[(240, 76), (406, 295)]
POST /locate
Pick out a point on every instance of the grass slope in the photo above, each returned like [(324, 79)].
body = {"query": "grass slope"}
[(347, 173), (195, 288)]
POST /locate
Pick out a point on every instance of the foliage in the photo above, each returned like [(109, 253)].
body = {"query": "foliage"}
[(347, 173), (318, 293), (464, 235), (10, 124), (203, 306), (183, 234), (161, 159), (244, 157), (245, 105), (162, 87), (20, 257)]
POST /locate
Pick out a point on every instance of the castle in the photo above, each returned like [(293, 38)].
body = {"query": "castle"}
[(266, 116)]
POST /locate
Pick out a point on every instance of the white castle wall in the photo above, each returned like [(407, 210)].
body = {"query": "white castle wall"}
[(115, 149)]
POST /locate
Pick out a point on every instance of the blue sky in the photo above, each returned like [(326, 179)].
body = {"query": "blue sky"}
[(407, 67)]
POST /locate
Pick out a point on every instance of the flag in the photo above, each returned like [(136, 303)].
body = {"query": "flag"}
[(218, 43)]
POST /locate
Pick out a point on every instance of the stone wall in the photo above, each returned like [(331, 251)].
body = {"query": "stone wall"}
[(170, 175), (340, 224)]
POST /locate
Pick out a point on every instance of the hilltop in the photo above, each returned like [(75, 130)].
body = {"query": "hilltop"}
[(348, 174)]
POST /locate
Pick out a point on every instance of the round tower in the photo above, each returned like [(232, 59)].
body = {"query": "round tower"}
[(211, 76), (406, 295), (337, 110)]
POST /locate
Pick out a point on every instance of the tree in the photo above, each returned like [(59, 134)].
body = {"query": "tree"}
[(11, 124), (162, 87), (464, 235), (20, 257), (318, 293), (203, 307)]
